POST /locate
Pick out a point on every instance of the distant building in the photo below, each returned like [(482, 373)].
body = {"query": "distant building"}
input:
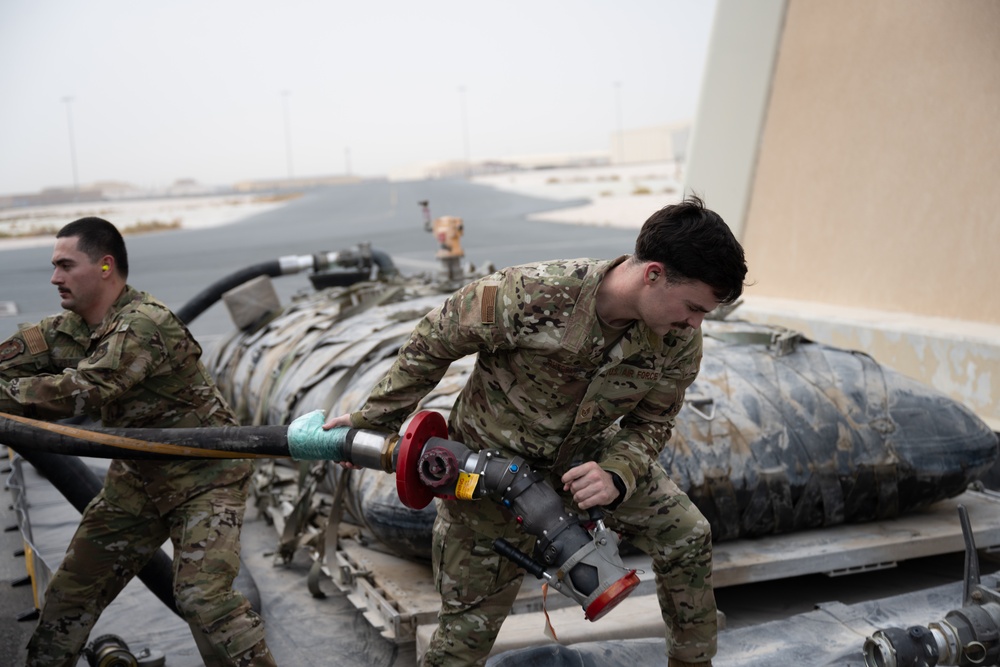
[(294, 183), (116, 189), (431, 170), (187, 187), (50, 196), (662, 143), (462, 169)]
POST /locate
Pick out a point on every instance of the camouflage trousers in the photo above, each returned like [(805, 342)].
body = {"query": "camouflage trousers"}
[(478, 587), (111, 545)]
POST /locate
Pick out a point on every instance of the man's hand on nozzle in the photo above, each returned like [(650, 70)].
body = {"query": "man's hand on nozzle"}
[(591, 485), (342, 420)]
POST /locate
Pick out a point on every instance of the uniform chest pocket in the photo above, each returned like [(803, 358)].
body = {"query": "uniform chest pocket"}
[(108, 352)]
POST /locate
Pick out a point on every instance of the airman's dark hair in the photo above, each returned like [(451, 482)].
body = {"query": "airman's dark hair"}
[(694, 243)]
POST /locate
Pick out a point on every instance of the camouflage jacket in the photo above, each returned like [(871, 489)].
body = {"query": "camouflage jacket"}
[(545, 386), (139, 367)]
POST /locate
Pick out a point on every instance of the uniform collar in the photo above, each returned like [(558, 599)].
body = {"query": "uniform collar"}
[(110, 319), (582, 324)]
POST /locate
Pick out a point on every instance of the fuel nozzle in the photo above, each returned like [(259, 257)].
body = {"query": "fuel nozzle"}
[(582, 563)]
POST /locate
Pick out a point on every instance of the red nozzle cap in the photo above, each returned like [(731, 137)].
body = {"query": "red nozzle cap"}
[(610, 598), (424, 426)]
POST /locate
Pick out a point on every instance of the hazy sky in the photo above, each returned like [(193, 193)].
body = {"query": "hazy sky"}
[(200, 88)]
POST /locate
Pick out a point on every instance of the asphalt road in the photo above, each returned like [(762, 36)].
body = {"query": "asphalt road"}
[(174, 266)]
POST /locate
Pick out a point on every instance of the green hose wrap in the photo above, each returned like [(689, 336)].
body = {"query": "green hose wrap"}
[(307, 441)]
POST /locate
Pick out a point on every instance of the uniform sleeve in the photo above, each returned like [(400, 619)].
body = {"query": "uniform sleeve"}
[(469, 321), (121, 359), (645, 431), (18, 359)]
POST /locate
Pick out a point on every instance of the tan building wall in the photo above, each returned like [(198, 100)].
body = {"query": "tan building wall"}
[(872, 214), (878, 176)]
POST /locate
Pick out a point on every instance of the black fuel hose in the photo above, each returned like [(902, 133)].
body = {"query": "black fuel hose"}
[(282, 266), (231, 442), (384, 262), (211, 294)]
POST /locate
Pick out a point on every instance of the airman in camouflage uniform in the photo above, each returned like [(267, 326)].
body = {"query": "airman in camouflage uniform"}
[(579, 362), (119, 356)]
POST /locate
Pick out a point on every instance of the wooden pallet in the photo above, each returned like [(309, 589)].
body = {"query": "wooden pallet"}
[(397, 596)]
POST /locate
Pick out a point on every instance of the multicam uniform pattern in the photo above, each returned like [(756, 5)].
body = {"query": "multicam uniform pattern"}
[(139, 367), (548, 387)]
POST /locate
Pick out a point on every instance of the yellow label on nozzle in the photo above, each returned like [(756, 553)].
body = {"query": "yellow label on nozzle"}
[(466, 485)]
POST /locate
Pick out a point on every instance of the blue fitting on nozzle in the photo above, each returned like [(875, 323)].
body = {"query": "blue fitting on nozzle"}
[(307, 441)]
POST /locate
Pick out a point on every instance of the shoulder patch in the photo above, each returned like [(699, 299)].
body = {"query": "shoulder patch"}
[(489, 304), (35, 340), (11, 349)]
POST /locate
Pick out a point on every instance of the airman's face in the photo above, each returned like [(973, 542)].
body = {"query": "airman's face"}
[(666, 306), (77, 278)]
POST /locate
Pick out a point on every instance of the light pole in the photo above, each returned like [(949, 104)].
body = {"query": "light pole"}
[(72, 143), (618, 111), (288, 132), (465, 130)]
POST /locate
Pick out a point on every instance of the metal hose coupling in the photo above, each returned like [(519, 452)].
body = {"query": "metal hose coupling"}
[(583, 564), (966, 636), (109, 651)]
